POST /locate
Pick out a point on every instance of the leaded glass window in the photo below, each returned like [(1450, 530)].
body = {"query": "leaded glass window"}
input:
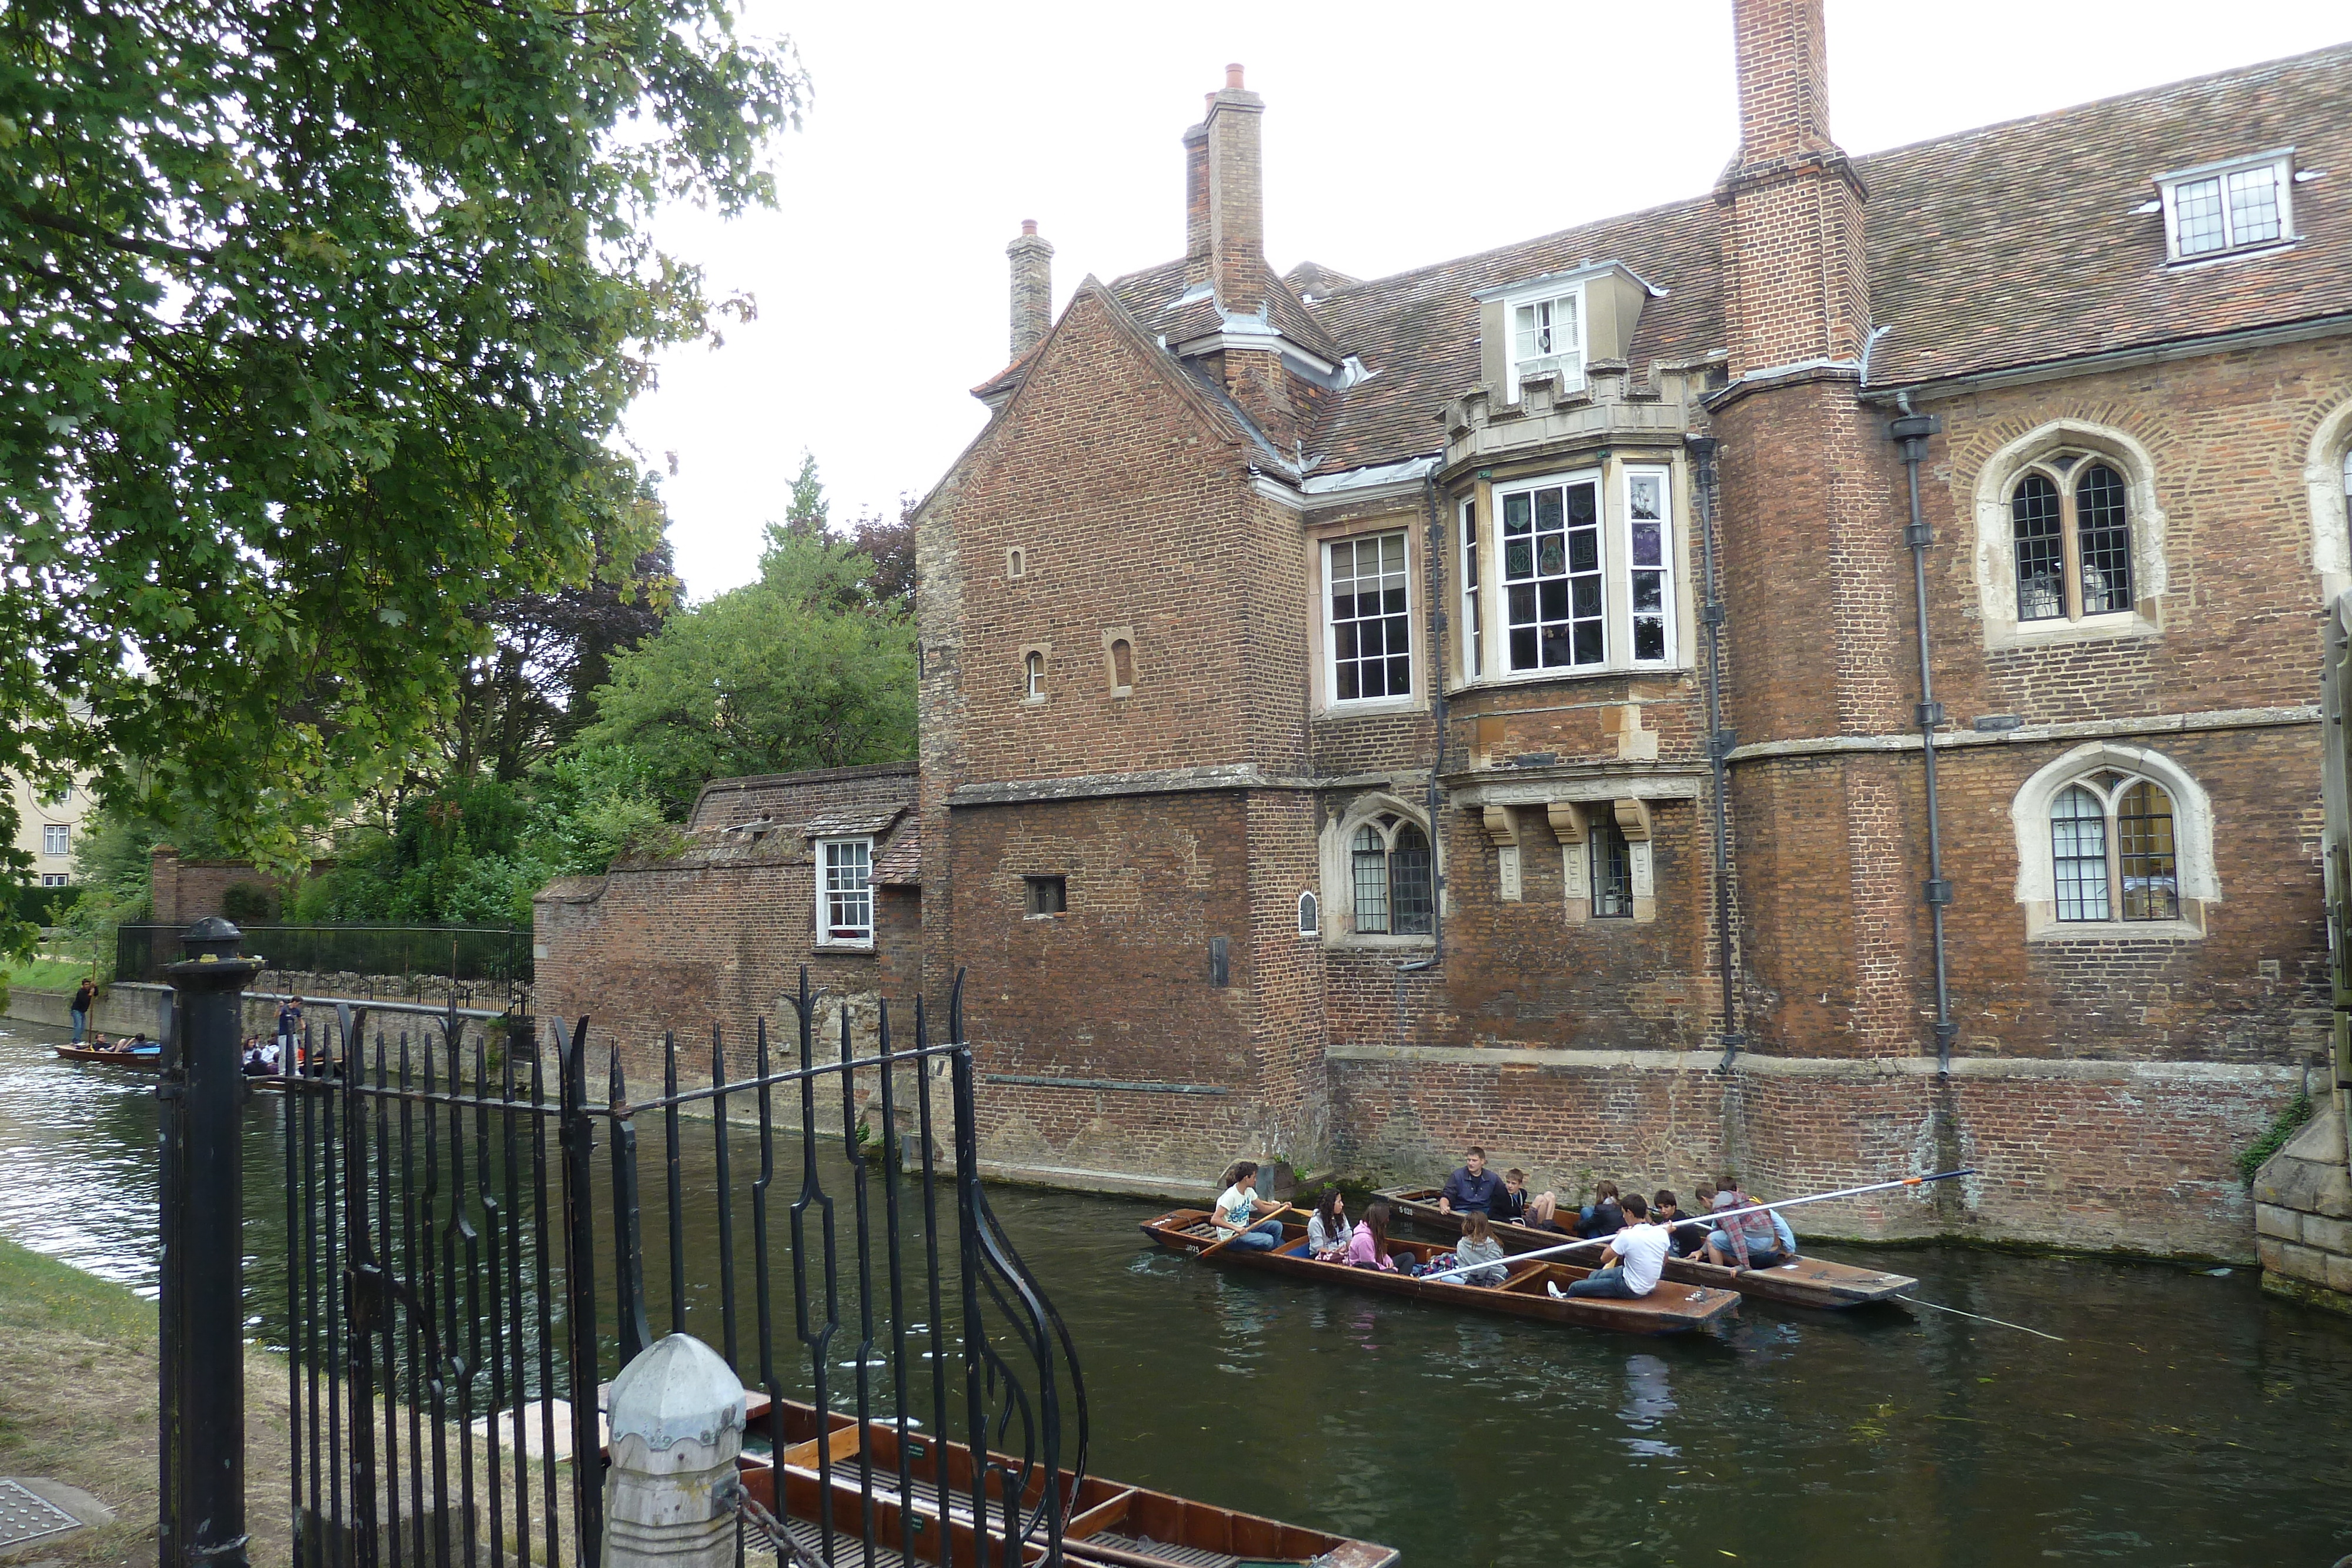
[(1649, 570), (1393, 879), (1371, 621), (2034, 518), (1613, 868), (2078, 853), (2070, 523), (2113, 852), (1551, 576), (2228, 209)]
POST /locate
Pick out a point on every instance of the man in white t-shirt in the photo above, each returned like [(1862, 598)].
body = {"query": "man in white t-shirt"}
[(1636, 1257)]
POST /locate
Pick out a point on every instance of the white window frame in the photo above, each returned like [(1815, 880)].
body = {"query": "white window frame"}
[(2280, 160), (1611, 630), (57, 838), (1410, 697), (832, 933), (1668, 547), (1473, 579), (2196, 882), (56, 879), (1518, 366)]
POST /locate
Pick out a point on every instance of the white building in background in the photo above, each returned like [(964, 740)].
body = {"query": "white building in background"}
[(48, 827)]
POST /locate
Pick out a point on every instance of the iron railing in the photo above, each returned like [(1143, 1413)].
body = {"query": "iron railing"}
[(465, 1266), (486, 959)]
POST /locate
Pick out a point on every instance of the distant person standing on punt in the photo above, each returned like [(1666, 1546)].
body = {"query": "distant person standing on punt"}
[(1473, 1189), (1368, 1246), (82, 997), (1237, 1210), (1327, 1229), (1636, 1257)]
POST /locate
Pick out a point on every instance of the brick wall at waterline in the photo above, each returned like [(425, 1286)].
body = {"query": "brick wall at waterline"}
[(2138, 1157)]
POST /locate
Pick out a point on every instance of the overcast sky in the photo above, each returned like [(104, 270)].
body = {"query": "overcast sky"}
[(1395, 135)]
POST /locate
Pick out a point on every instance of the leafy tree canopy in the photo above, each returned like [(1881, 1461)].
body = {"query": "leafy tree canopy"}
[(812, 667), (319, 321)]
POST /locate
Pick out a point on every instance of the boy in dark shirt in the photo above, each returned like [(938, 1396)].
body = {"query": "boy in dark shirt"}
[(1473, 1187)]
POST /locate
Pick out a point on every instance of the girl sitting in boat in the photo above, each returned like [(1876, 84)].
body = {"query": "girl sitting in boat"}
[(1367, 1247), (1236, 1216), (1327, 1229), (1479, 1246)]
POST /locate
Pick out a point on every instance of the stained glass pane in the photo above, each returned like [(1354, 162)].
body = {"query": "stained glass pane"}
[(1566, 554)]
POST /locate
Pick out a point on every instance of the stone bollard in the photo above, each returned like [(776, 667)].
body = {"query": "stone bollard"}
[(676, 1414)]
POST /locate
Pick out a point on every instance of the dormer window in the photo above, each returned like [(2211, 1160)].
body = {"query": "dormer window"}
[(1548, 339), (2219, 208)]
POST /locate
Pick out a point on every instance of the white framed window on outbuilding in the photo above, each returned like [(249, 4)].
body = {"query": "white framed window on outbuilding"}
[(845, 892)]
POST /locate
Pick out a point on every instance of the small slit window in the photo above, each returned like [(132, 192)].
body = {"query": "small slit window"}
[(1016, 562), (1122, 666), (1033, 677), (1046, 896), (1310, 915)]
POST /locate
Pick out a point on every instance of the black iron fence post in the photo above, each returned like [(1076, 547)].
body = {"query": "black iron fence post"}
[(200, 1401)]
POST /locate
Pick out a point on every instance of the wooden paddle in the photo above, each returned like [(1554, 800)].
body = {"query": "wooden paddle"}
[(1277, 1214)]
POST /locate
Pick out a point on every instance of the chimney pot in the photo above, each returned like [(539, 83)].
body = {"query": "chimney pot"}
[(1233, 79), (1028, 225)]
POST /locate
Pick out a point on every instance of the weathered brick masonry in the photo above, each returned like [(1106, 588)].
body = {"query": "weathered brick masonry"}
[(1345, 651)]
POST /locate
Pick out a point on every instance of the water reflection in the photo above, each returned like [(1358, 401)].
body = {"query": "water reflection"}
[(2185, 1419)]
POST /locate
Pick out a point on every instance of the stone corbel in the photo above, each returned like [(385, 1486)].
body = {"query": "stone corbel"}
[(1567, 819), (1567, 825), (1503, 832), (1634, 821)]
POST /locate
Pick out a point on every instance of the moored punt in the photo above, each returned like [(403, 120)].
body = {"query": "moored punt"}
[(1671, 1308), (1799, 1281), (151, 1059), (1107, 1523)]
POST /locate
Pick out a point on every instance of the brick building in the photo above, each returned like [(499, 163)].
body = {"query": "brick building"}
[(1362, 718)]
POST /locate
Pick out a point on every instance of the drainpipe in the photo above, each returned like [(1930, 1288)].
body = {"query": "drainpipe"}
[(1437, 622), (1719, 742), (1912, 431)]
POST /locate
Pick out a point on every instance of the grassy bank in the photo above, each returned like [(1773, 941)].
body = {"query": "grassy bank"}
[(78, 1404), (45, 974)]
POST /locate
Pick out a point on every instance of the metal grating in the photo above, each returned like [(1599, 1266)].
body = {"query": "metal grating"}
[(25, 1517)]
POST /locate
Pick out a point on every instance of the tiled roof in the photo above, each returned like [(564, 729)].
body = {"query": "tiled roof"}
[(2019, 243), (2011, 245)]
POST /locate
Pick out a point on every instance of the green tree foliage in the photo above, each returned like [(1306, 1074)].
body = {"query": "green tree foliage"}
[(320, 319), (812, 667)]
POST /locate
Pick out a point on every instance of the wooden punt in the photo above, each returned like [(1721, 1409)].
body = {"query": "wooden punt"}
[(1671, 1308), (151, 1059), (1108, 1524), (1799, 1281)]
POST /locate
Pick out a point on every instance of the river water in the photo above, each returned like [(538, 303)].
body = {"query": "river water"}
[(2183, 1419)]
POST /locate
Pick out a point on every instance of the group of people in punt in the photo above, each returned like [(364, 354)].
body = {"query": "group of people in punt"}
[(1640, 1234)]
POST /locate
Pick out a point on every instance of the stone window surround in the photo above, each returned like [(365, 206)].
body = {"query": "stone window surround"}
[(2193, 843), (820, 915), (1044, 655), (1113, 635), (1996, 543), (1319, 537), (2327, 477), (1337, 854), (1016, 561), (1614, 467)]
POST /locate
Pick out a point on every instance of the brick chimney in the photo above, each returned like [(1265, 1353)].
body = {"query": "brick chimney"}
[(1196, 203), (1793, 243), (1236, 197), (1033, 287)]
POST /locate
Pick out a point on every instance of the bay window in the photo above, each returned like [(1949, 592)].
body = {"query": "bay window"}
[(1586, 585)]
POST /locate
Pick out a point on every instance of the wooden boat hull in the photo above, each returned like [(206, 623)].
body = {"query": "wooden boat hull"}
[(146, 1061), (840, 1473), (1671, 1308), (1797, 1282)]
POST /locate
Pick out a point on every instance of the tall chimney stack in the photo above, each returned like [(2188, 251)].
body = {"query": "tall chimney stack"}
[(1792, 241), (1033, 287), (1196, 201), (1236, 197)]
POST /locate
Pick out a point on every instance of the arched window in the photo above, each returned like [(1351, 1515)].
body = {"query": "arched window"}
[(2070, 523), (2112, 850), (1390, 865), (1122, 664), (1310, 915), (1033, 676)]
